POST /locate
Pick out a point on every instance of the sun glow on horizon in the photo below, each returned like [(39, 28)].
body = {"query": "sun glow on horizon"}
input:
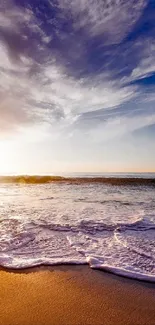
[(12, 163)]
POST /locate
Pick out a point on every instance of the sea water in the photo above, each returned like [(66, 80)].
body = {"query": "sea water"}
[(107, 226)]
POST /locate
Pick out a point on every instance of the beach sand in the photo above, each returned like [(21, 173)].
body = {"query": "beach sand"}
[(69, 295)]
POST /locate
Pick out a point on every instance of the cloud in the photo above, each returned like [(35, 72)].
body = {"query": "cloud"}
[(146, 65), (48, 71), (11, 115), (51, 94), (113, 128), (75, 97), (19, 30), (11, 17), (100, 17)]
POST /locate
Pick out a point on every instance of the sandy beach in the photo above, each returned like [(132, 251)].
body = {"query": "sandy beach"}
[(69, 295)]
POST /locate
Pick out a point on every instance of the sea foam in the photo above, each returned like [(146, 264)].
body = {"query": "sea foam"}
[(108, 227)]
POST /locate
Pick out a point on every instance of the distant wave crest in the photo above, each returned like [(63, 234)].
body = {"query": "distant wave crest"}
[(26, 179)]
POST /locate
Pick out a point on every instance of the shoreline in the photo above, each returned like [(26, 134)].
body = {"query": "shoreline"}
[(73, 295), (119, 272)]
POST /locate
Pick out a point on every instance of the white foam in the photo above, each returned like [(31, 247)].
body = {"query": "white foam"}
[(97, 264)]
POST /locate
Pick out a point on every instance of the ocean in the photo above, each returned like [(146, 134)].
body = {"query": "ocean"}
[(108, 226)]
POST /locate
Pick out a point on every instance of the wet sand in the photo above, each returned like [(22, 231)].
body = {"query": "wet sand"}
[(69, 295)]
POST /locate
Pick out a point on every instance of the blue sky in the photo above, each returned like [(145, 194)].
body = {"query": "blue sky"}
[(77, 85)]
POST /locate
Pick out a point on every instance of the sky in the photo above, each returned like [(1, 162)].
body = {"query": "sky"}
[(77, 86)]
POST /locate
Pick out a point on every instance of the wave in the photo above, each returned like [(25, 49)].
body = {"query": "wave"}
[(120, 248), (104, 201), (26, 179), (93, 227), (97, 264)]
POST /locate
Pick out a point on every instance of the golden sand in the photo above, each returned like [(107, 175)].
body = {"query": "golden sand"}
[(69, 295)]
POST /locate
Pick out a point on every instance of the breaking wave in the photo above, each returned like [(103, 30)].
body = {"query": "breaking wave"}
[(107, 227), (125, 249), (26, 179)]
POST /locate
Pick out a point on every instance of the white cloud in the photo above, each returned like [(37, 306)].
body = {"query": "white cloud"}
[(100, 17), (146, 66), (15, 25), (118, 127), (52, 94), (144, 69), (149, 98), (75, 97), (12, 18)]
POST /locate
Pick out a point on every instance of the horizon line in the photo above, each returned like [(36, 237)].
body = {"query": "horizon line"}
[(69, 173)]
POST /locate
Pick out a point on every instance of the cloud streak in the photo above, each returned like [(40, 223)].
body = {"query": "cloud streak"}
[(99, 17)]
